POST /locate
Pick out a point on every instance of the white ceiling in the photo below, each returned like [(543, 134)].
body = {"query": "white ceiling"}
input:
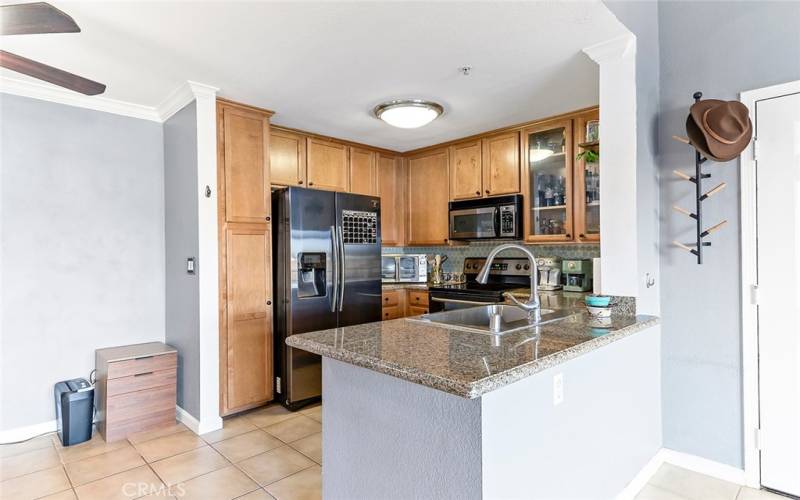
[(323, 66)]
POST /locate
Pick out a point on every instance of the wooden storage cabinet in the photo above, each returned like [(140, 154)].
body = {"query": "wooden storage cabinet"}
[(466, 174), (587, 184), (501, 166), (428, 199), (391, 183), (400, 303), (245, 261), (287, 158), (327, 165), (136, 388), (363, 172)]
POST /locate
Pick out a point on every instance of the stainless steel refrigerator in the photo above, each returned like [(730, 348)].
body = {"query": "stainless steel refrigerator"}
[(327, 272)]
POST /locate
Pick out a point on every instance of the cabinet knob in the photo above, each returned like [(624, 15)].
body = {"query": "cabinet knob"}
[(478, 192), (268, 219), (269, 302), (568, 235), (581, 236), (300, 181), (310, 183), (386, 299), (445, 240), (487, 191)]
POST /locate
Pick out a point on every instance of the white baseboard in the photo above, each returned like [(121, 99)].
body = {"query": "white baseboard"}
[(186, 419), (685, 461), (27, 432)]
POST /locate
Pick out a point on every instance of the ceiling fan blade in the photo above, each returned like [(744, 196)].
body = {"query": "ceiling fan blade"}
[(50, 74), (32, 18)]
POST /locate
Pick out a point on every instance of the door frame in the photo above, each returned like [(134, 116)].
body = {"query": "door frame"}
[(749, 218)]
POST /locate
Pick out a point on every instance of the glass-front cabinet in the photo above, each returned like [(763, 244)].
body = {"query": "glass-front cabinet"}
[(548, 171), (587, 176)]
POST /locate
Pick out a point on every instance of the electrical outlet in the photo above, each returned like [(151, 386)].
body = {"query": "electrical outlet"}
[(190, 265), (558, 389)]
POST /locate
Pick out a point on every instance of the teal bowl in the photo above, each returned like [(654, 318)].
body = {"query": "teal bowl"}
[(597, 300)]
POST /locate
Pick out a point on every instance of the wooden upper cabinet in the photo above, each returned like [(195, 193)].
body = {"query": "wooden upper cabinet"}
[(327, 166), (248, 341), (427, 198), (287, 158), (466, 177), (391, 189), (363, 172), (587, 182), (245, 157), (501, 166)]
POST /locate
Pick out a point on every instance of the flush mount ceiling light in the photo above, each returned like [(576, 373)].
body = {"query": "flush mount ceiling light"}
[(408, 113)]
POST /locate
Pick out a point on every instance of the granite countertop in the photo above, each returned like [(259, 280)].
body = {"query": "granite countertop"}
[(465, 363), (405, 286)]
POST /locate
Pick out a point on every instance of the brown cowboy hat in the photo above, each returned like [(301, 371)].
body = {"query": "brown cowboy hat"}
[(719, 129)]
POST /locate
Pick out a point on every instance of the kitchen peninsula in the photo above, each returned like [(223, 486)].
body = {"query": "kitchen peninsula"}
[(422, 410)]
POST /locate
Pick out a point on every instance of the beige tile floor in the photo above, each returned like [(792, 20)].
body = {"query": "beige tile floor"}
[(265, 454), (269, 453)]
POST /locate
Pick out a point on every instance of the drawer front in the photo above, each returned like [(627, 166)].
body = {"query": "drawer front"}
[(417, 298), (140, 404), (392, 312), (146, 364), (391, 298), (417, 310), (141, 382), (123, 429)]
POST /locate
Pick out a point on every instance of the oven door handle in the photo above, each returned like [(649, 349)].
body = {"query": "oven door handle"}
[(462, 301)]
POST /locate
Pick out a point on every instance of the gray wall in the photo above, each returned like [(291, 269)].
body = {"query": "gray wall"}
[(82, 215), (721, 49), (180, 219)]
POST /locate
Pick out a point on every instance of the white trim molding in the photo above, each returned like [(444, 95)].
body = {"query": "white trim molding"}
[(619, 244), (28, 432), (51, 93), (749, 263), (187, 419)]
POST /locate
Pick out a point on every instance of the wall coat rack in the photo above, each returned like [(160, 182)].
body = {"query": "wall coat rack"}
[(696, 247)]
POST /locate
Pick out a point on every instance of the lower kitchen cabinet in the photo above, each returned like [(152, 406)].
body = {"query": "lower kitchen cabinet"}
[(428, 197), (246, 341), (400, 303)]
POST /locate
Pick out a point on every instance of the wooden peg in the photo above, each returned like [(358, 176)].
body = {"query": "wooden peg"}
[(679, 138), (683, 176), (682, 210), (685, 247), (719, 187), (713, 228)]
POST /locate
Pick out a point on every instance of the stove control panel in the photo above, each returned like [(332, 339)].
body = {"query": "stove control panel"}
[(511, 266)]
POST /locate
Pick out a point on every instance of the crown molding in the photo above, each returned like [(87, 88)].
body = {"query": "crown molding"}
[(174, 102), (44, 92), (614, 48), (183, 95)]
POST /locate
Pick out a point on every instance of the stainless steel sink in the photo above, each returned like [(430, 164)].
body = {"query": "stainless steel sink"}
[(495, 319)]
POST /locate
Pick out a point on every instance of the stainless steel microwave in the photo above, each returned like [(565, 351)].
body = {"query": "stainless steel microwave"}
[(404, 268), (496, 218)]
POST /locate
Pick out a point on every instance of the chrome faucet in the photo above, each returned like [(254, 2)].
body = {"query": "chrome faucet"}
[(532, 305)]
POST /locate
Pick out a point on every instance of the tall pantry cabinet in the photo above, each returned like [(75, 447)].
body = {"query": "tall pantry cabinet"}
[(245, 261)]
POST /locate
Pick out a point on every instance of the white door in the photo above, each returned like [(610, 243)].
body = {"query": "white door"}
[(777, 127)]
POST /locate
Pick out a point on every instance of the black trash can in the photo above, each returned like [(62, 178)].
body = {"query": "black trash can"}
[(74, 410)]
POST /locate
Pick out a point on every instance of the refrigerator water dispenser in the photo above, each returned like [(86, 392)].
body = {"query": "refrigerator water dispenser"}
[(310, 274)]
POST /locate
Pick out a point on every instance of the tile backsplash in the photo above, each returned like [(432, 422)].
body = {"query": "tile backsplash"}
[(457, 254)]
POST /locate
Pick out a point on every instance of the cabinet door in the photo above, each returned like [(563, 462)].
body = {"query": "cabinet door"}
[(363, 172), (391, 190), (587, 181), (246, 163), (248, 339), (427, 199), (327, 165), (287, 158), (501, 164), (548, 154), (465, 171)]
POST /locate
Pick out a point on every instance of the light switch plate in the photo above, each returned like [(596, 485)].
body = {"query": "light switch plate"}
[(190, 265), (558, 389)]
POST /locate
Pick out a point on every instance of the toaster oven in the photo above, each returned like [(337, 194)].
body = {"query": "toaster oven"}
[(404, 268)]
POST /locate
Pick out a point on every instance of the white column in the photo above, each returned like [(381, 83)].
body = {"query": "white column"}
[(618, 208)]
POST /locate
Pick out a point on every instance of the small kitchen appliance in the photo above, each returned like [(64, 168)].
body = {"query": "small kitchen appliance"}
[(577, 274), (74, 410), (404, 268), (549, 273), (495, 218)]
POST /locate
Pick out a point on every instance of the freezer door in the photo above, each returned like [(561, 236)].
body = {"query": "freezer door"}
[(358, 223), (310, 264)]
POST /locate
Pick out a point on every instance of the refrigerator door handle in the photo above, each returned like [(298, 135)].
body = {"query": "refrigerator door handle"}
[(335, 266), (342, 268)]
